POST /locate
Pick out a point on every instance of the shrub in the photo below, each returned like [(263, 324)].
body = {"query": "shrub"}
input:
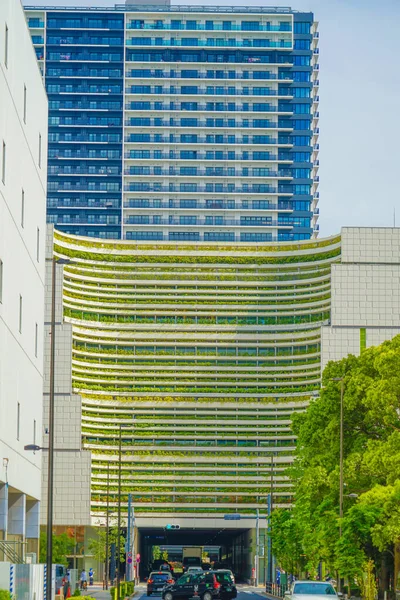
[(5, 595)]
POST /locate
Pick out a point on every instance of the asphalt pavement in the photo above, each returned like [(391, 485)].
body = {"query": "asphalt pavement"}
[(245, 592)]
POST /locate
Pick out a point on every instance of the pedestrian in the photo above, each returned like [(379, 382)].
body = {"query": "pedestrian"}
[(91, 574), (83, 579)]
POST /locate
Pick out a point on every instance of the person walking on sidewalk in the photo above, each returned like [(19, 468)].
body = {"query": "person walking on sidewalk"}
[(83, 580)]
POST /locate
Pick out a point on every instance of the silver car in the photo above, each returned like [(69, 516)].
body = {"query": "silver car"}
[(311, 590)]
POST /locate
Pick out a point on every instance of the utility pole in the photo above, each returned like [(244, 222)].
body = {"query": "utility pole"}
[(341, 457), (270, 509), (107, 523), (119, 513), (341, 469), (50, 465), (257, 560)]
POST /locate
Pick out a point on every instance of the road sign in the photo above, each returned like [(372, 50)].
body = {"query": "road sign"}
[(232, 517), (129, 560), (138, 558)]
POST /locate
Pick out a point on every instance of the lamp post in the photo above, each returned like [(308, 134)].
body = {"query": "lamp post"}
[(50, 469), (341, 452), (107, 521), (119, 511)]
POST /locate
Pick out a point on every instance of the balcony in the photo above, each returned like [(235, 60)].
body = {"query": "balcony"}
[(158, 74), (175, 107), (202, 156), (203, 125), (202, 140), (35, 24), (208, 223), (223, 189), (173, 91), (199, 205), (203, 173), (177, 43), (198, 27)]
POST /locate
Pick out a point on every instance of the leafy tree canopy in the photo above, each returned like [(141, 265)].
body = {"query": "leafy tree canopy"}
[(309, 532)]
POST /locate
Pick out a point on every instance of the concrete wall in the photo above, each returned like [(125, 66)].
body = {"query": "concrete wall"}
[(365, 292), (72, 467), (23, 173)]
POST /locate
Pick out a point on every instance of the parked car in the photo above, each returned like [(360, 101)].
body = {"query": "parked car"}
[(204, 585), (317, 589), (226, 580), (157, 581)]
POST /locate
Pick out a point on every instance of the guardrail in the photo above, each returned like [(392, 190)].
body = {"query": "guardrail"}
[(275, 589)]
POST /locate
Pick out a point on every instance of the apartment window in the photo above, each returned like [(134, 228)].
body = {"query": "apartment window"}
[(6, 46), (20, 314), (18, 419), (36, 339), (40, 151), (22, 208), (37, 244), (1, 281), (24, 103), (3, 164)]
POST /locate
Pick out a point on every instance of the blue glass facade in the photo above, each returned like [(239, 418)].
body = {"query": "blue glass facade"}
[(198, 127)]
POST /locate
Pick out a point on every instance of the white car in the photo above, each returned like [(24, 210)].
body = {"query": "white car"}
[(312, 590), (195, 570)]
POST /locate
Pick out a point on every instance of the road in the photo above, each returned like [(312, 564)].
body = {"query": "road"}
[(245, 592)]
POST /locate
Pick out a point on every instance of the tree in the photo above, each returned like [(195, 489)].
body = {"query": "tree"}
[(164, 555), (371, 523), (63, 546), (156, 553), (97, 545)]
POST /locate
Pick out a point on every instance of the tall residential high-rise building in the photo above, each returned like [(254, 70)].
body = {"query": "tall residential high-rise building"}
[(23, 176), (181, 123)]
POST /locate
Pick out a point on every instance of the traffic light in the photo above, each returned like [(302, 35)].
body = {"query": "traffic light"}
[(171, 527)]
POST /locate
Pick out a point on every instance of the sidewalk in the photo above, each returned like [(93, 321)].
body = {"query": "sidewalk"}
[(96, 591)]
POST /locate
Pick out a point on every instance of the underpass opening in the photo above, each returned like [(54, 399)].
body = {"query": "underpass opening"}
[(224, 547)]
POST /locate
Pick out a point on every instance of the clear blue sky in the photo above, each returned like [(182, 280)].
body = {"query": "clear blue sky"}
[(359, 106)]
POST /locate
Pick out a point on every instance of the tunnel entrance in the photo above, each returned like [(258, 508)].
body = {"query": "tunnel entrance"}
[(231, 547)]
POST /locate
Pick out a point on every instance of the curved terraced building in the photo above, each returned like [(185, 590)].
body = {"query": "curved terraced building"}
[(199, 354)]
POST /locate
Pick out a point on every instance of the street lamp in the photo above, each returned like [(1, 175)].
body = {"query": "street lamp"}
[(35, 448), (121, 425), (50, 476), (341, 379)]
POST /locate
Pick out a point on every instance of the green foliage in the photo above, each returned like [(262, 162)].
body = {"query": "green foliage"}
[(127, 588), (77, 592), (156, 553), (63, 546), (371, 522), (5, 595), (97, 545)]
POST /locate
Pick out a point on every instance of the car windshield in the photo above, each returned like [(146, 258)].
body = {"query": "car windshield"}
[(224, 577), (159, 576), (312, 588)]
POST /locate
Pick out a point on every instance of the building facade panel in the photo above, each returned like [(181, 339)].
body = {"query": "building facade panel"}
[(194, 353), (202, 120), (23, 175), (365, 292)]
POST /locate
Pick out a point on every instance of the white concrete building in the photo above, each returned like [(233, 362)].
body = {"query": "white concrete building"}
[(365, 307), (23, 176)]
